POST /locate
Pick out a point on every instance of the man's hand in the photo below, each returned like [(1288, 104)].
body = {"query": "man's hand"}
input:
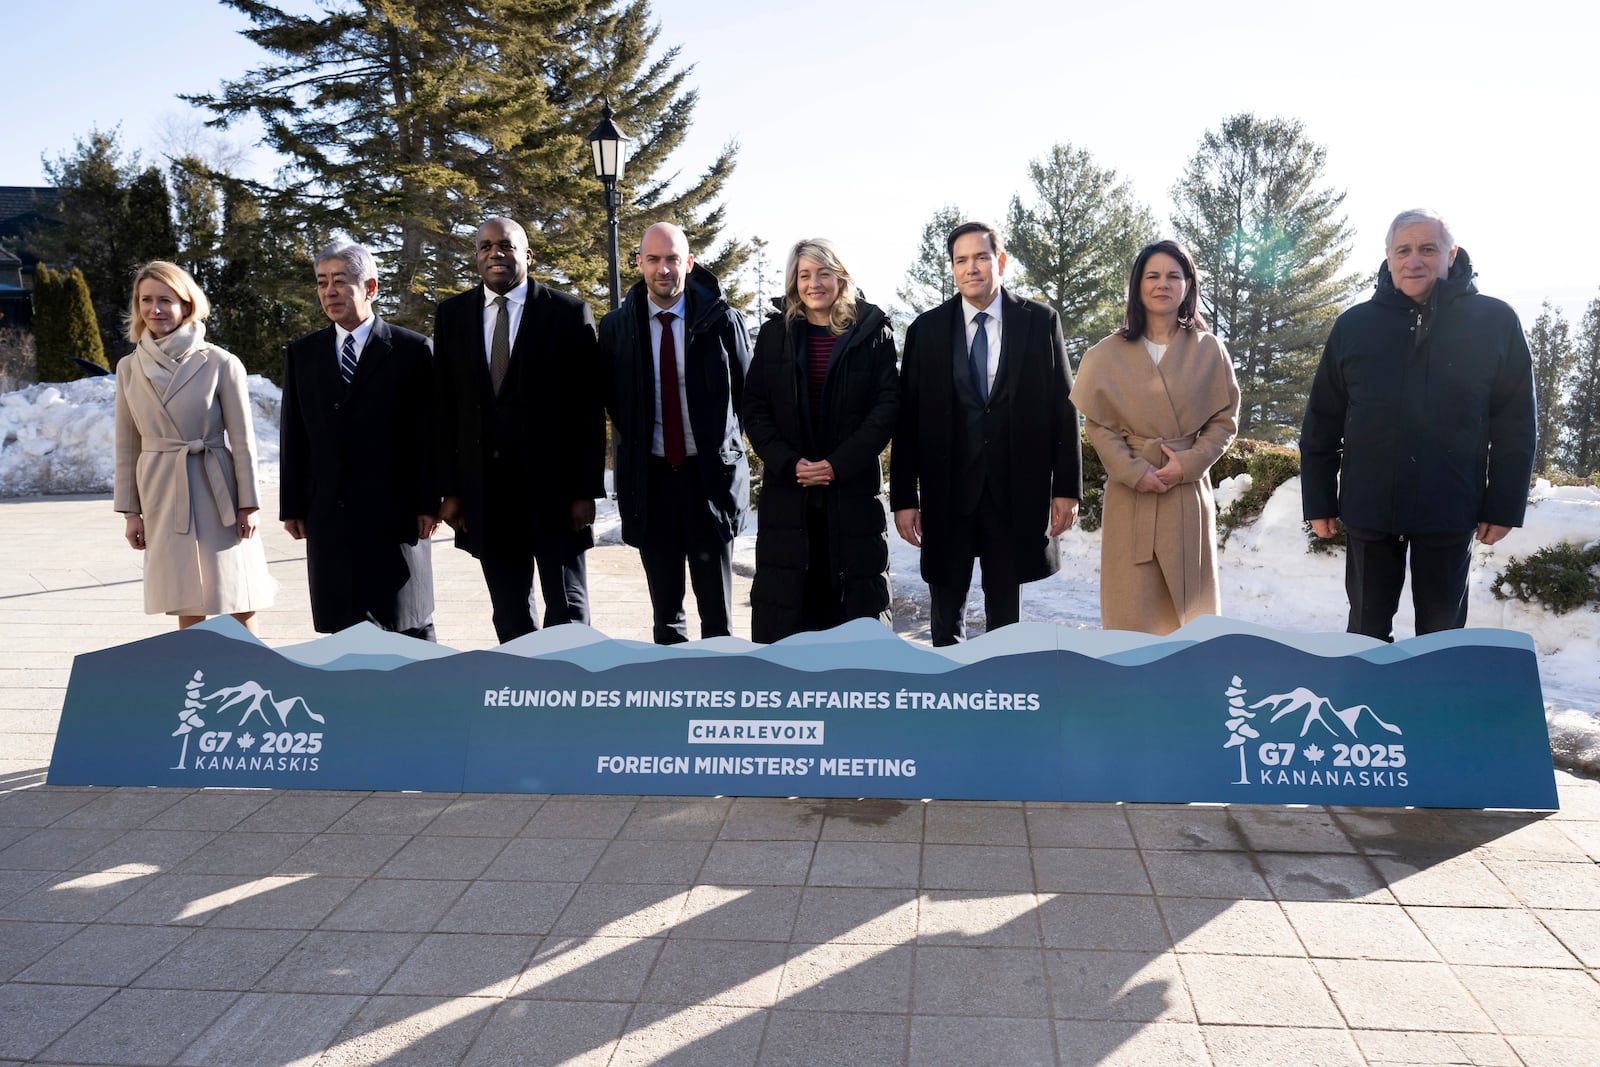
[(1490, 534), (1063, 513), (908, 522), (452, 515), (1324, 528), (426, 524), (809, 473), (295, 528), (582, 513)]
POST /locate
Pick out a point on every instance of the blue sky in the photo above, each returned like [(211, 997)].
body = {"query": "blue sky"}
[(856, 123)]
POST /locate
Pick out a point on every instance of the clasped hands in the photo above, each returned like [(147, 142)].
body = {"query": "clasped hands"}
[(1160, 479)]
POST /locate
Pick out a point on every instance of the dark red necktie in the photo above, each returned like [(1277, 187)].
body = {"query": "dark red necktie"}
[(671, 412)]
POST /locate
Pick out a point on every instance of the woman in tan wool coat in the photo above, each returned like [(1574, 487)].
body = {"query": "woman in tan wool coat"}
[(1160, 405), (189, 494)]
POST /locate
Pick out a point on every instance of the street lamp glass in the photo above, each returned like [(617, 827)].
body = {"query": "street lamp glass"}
[(607, 142)]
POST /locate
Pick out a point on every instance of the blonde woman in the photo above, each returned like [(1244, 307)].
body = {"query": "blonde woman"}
[(820, 404), (185, 458)]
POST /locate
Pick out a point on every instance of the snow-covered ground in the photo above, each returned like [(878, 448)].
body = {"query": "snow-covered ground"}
[(58, 438)]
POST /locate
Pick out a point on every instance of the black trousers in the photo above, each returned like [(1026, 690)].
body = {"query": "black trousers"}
[(508, 571), (1375, 573), (679, 530), (985, 536)]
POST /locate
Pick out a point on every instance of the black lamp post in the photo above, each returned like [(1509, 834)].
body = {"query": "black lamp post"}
[(609, 146)]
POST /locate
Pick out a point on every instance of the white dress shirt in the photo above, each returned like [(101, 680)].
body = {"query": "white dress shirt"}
[(656, 446), (360, 333), (515, 300), (992, 327)]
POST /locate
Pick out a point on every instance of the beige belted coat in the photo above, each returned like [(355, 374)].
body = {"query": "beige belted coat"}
[(1158, 551), (176, 396)]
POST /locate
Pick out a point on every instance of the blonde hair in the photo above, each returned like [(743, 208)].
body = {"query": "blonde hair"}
[(174, 277), (819, 250)]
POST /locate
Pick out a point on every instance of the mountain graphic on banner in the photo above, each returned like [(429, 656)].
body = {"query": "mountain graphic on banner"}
[(1304, 700)]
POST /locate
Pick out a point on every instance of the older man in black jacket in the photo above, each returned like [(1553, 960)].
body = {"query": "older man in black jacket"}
[(676, 354), (1419, 431)]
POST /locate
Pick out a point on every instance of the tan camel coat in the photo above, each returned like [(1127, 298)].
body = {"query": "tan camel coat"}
[(1158, 551), (175, 399)]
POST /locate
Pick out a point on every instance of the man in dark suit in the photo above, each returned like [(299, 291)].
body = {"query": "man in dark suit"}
[(682, 480), (986, 462), (522, 433), (356, 476)]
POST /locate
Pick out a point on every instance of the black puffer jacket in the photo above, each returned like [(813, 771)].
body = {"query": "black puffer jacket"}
[(1421, 418), (860, 402)]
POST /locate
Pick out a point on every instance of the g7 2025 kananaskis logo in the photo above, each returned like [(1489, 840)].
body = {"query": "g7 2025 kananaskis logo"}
[(1363, 749), (283, 745)]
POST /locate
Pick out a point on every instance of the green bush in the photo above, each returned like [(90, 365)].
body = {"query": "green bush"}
[(64, 326), (1562, 577), (1269, 466)]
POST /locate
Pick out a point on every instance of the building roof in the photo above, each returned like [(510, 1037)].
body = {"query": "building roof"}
[(16, 200)]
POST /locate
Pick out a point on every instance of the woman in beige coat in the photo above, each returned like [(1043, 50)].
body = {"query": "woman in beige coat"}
[(189, 494), (1160, 405)]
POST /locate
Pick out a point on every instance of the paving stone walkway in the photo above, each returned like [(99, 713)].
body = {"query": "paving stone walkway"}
[(228, 928)]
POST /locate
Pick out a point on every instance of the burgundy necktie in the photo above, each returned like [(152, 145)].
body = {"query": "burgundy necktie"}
[(671, 413)]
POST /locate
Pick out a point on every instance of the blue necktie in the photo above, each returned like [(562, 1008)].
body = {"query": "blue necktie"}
[(980, 356), (347, 358)]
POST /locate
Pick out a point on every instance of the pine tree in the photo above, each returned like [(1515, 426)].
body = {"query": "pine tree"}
[(94, 234), (929, 282), (404, 128), (1078, 241), (1580, 429), (64, 327), (1270, 243), (1550, 343), (148, 232)]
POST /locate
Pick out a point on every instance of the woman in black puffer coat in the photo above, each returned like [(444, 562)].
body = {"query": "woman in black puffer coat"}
[(819, 407)]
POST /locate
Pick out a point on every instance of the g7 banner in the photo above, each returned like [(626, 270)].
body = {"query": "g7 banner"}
[(1220, 711)]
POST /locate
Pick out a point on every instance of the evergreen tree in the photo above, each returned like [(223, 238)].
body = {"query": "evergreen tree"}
[(1077, 242), (64, 327), (1270, 242), (265, 291), (95, 234), (148, 232), (406, 127), (929, 282), (1551, 346), (1580, 430)]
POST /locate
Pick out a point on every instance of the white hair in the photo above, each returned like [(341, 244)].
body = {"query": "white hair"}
[(358, 262), (1412, 216)]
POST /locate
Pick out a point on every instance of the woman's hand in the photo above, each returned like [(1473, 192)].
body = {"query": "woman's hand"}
[(247, 523), (133, 530), (1172, 473), (1150, 482)]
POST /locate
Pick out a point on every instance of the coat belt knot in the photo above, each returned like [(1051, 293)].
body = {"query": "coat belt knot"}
[(214, 450)]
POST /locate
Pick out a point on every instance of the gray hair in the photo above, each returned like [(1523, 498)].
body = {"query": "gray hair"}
[(1412, 216), (357, 260)]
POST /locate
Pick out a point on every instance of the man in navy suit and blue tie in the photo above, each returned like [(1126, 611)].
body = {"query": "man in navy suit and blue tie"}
[(356, 476), (986, 462)]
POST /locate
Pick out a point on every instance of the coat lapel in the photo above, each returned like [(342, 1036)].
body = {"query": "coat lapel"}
[(371, 361), (1013, 336)]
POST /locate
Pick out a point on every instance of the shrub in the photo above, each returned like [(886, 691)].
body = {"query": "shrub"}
[(1269, 466), (16, 359), (1561, 576), (1091, 508)]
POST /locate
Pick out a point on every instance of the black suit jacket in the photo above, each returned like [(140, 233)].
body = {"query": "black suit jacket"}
[(356, 468), (1027, 432), (541, 444)]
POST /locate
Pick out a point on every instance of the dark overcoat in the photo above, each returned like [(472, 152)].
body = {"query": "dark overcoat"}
[(715, 359), (1030, 432), (860, 400), (355, 465), (555, 452)]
